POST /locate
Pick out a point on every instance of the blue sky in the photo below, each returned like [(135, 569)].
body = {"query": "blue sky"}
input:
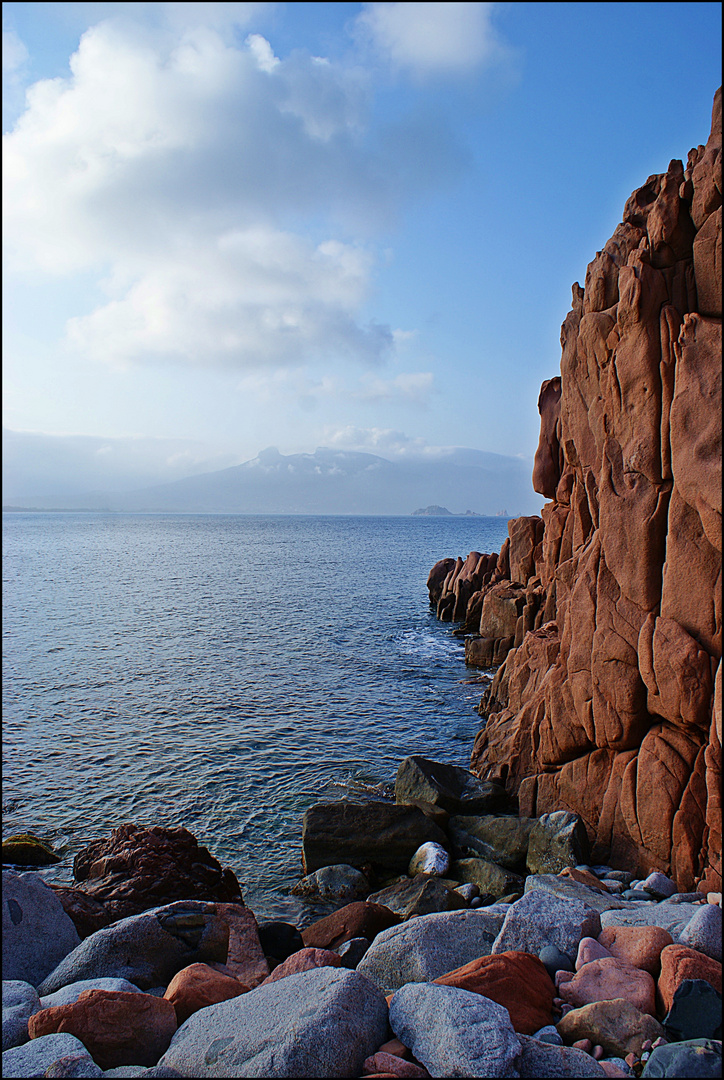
[(231, 226)]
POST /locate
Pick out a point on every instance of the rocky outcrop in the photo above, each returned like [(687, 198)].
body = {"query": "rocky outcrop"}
[(607, 701), (137, 868)]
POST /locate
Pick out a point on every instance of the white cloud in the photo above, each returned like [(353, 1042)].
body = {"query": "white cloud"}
[(179, 174), (14, 52), (386, 442), (431, 38), (412, 387)]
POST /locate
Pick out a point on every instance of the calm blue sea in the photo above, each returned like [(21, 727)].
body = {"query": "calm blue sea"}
[(223, 673)]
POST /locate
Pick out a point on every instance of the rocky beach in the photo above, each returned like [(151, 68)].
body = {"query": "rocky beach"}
[(556, 909)]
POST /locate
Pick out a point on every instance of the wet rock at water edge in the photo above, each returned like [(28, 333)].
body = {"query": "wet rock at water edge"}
[(382, 834), (279, 940), (501, 840), (455, 789), (359, 919), (339, 882), (420, 895), (37, 934), (25, 849)]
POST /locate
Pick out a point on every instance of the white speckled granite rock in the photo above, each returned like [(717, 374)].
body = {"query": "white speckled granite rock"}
[(540, 918), (36, 931), (36, 1056)]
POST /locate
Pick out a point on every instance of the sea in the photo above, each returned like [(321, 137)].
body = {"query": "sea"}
[(224, 673)]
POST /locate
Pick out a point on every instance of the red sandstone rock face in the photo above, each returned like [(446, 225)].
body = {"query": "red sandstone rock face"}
[(604, 702)]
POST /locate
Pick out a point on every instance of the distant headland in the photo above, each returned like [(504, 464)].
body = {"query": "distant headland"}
[(441, 511)]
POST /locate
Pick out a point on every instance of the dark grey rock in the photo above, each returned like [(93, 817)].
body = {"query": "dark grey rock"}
[(540, 1057), (421, 895), (454, 1032), (455, 789), (469, 891), (554, 960), (20, 1001), (36, 1056), (638, 894), (620, 875), (489, 877), (539, 918), (380, 834), (501, 840), (695, 1012), (339, 882), (694, 1058), (36, 931), (279, 940), (704, 931), (318, 1023), (549, 1034), (146, 949), (352, 951), (685, 898), (659, 885), (602, 870), (557, 840), (429, 946)]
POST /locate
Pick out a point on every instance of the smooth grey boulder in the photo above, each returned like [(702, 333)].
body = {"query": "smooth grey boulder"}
[(501, 840), (36, 931), (356, 833), (454, 1032), (539, 1057), (36, 1056), (340, 882), (146, 949), (70, 993), (659, 885), (430, 858), (557, 840), (20, 1001), (539, 918), (692, 1058), (704, 931), (429, 946), (490, 878), (455, 789), (672, 917), (318, 1023), (568, 889)]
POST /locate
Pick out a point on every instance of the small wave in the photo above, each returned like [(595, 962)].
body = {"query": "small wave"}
[(426, 645)]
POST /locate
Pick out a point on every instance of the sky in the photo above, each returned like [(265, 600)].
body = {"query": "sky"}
[(235, 225)]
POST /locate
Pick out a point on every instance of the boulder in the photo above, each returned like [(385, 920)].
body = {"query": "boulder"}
[(279, 940), (146, 949), (284, 1029), (304, 960), (351, 952), (24, 849), (20, 1001), (431, 859), (360, 919), (557, 840), (117, 1028), (246, 959), (334, 883), (362, 833), (609, 978), (615, 1024), (703, 932), (671, 917), (568, 888), (198, 985), (455, 789), (693, 1058), (659, 885), (454, 1032), (501, 840), (70, 993), (539, 919), (37, 934), (383, 1064), (81, 1065), (490, 878), (554, 960), (679, 963), (420, 895), (517, 981), (141, 867), (424, 948), (589, 949), (540, 1058), (38, 1055), (637, 945), (695, 1012)]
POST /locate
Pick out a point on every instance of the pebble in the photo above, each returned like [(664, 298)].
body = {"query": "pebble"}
[(597, 1052), (713, 898), (659, 885), (638, 894), (583, 1044)]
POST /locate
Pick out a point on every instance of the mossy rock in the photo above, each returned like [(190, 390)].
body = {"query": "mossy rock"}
[(28, 850)]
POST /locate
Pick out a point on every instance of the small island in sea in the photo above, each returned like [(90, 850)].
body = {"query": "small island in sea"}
[(441, 511)]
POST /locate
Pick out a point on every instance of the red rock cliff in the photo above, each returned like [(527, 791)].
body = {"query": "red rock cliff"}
[(608, 702)]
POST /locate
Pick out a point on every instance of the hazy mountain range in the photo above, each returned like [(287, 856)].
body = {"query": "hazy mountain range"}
[(329, 481)]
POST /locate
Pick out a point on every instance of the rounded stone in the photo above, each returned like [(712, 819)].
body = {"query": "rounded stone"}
[(554, 960), (704, 931), (430, 858)]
